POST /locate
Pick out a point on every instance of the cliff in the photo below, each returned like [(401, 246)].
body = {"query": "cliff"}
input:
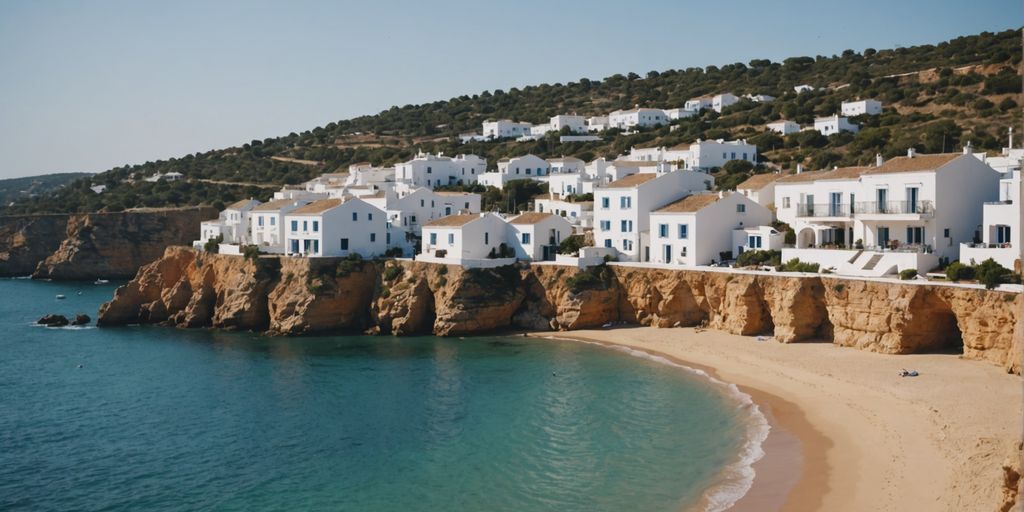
[(295, 296), (93, 245)]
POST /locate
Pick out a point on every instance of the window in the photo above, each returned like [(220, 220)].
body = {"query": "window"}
[(344, 244), (487, 238), (663, 230), (684, 231), (259, 220), (744, 156), (785, 202), (945, 233), (429, 171), (526, 238), (421, 203), (355, 216), (606, 225), (295, 225), (273, 221), (733, 155), (608, 242), (625, 202), (754, 241), (467, 205), (625, 245), (604, 202), (1002, 234), (316, 226), (387, 238), (433, 239), (369, 216), (529, 171), (373, 237), (305, 225), (412, 218), (741, 208)]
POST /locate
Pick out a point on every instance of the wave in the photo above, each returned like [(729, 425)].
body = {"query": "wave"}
[(737, 477)]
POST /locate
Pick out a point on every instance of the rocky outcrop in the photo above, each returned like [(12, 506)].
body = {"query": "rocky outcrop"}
[(296, 296), (93, 245), (53, 320)]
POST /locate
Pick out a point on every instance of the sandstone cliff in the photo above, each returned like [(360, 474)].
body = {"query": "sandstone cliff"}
[(294, 296), (25, 240)]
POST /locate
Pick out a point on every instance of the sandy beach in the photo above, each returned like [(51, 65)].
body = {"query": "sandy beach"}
[(848, 432)]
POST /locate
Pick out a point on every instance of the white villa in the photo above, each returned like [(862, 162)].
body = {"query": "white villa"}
[(535, 236), (802, 88), (903, 213), (597, 123), (268, 223), (431, 171), (698, 229), (622, 208), (504, 128), (580, 214), (637, 117), (465, 239), (575, 124), (1001, 224), (783, 127), (336, 227), (526, 167), (700, 155), (760, 98), (861, 107), (760, 188), (834, 124), (720, 101), (232, 224), (698, 104), (674, 114)]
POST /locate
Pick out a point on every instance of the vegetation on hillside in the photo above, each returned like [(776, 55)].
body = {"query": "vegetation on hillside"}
[(13, 189), (936, 98)]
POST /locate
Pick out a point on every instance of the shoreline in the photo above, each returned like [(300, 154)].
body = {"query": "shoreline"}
[(846, 432)]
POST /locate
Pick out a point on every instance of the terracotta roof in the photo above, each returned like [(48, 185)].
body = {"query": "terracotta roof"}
[(803, 177), (634, 163), (690, 204), (759, 181), (317, 207), (453, 220), (917, 163), (530, 218), (238, 205), (632, 180), (844, 173), (274, 205)]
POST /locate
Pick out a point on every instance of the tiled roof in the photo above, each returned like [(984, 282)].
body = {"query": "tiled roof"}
[(916, 163), (759, 181), (317, 207), (802, 177), (273, 205), (238, 205), (689, 204), (453, 220), (635, 163), (632, 180), (530, 218)]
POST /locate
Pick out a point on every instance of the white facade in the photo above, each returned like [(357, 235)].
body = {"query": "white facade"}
[(698, 229), (834, 124), (756, 238), (698, 104), (760, 98), (861, 107), (622, 209), (408, 211), (504, 128), (431, 171), (536, 236), (268, 223), (679, 113), (1000, 237), (575, 124), (526, 167), (365, 174), (233, 224), (597, 123), (335, 227), (760, 188), (579, 214), (458, 238), (638, 117), (708, 154), (723, 100), (783, 127), (803, 88)]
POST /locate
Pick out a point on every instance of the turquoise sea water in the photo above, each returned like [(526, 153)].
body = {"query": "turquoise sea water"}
[(164, 419)]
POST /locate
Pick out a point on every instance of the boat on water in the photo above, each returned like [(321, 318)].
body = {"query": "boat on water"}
[(61, 296), (101, 281)]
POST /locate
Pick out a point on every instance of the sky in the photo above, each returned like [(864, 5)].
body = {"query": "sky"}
[(87, 86)]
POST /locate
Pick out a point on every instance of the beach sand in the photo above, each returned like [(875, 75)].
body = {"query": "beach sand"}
[(848, 432)]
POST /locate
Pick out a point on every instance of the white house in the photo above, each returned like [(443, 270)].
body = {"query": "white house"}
[(720, 101), (757, 238), (760, 188), (698, 229), (504, 128), (526, 167), (535, 236), (568, 184), (783, 127), (464, 239), (622, 208), (566, 164), (336, 227), (1001, 225), (233, 224), (363, 174), (431, 171), (575, 124), (597, 123), (637, 117), (903, 213), (760, 98), (834, 124), (698, 104), (674, 114), (800, 89), (408, 211), (268, 223), (709, 154), (580, 214), (861, 107)]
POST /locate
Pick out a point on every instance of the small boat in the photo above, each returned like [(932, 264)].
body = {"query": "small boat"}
[(101, 281), (61, 296)]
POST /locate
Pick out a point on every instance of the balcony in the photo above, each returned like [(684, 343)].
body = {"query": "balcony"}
[(840, 210), (918, 208)]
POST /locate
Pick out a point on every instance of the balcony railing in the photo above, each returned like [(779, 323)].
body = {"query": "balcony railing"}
[(1004, 245), (824, 210), (895, 207)]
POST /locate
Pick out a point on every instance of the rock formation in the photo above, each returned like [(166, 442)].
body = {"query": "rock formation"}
[(53, 320), (297, 295)]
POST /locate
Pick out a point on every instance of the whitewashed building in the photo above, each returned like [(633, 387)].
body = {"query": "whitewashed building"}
[(504, 128), (336, 227), (834, 124), (674, 114), (783, 127), (698, 229), (757, 238), (465, 239), (427, 170), (526, 167), (597, 123), (268, 223), (580, 214), (622, 208), (720, 101), (363, 174), (233, 224), (535, 236), (575, 124), (760, 188), (802, 88), (698, 104), (861, 107), (1000, 237), (637, 117), (760, 98)]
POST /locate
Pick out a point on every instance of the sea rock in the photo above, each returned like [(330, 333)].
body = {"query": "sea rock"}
[(81, 319), (53, 320)]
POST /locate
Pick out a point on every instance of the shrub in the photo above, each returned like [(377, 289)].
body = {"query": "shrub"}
[(391, 273), (385, 292), (839, 287), (351, 263), (442, 270), (314, 287), (908, 273), (991, 274), (213, 245), (251, 252), (956, 271), (571, 245), (394, 252), (759, 257), (593, 278), (795, 265)]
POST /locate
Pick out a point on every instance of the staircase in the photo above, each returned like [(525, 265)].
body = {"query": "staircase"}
[(855, 256), (870, 265)]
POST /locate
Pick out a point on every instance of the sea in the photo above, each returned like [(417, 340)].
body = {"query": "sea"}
[(153, 418)]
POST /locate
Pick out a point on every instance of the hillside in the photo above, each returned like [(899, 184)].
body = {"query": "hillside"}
[(936, 98), (13, 189)]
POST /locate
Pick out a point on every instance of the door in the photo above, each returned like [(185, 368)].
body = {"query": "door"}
[(912, 197), (447, 211), (915, 235), (295, 247), (834, 201), (809, 204), (881, 197), (883, 237), (668, 254)]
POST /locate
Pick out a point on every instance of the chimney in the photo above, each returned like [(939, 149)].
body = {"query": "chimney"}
[(879, 160), (967, 148), (911, 153), (799, 168)]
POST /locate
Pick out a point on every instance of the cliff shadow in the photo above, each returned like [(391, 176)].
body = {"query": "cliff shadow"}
[(931, 326)]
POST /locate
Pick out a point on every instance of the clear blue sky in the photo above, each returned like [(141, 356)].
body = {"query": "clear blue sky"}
[(92, 85)]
